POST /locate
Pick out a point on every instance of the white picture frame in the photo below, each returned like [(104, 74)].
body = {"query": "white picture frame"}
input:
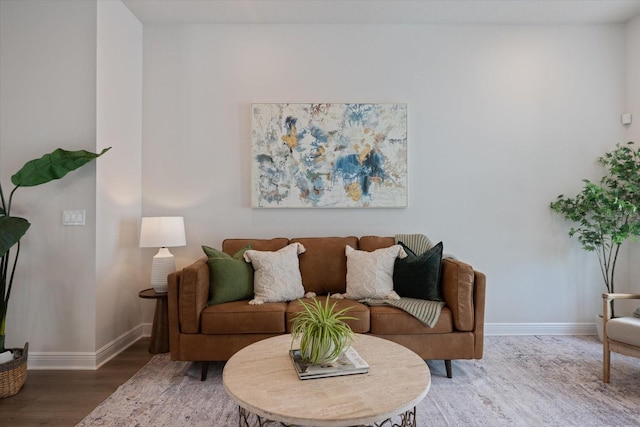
[(329, 155)]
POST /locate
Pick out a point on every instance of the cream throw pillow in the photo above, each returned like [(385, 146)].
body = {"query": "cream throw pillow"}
[(276, 276), (370, 274)]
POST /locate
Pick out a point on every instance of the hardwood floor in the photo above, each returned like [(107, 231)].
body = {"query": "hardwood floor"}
[(63, 398)]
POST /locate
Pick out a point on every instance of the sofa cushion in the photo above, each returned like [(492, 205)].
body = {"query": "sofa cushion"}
[(370, 274), (323, 266), (276, 275), (371, 243), (387, 320), (239, 317), (358, 310), (231, 246), (230, 277), (418, 276), (625, 330)]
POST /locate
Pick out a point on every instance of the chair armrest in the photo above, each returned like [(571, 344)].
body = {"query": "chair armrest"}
[(607, 298), (620, 296)]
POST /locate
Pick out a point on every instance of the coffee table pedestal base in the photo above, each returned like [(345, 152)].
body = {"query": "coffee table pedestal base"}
[(249, 419)]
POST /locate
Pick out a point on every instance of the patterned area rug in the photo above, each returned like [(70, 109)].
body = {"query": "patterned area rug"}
[(521, 381)]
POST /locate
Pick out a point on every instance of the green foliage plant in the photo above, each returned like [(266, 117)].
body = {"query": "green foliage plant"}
[(322, 331), (49, 167), (607, 213)]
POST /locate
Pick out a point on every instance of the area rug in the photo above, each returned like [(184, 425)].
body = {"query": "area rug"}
[(521, 381)]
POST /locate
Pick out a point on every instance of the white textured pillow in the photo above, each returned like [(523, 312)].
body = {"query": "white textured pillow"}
[(276, 276), (370, 274)]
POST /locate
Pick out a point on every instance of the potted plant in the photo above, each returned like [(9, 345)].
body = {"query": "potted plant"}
[(49, 167), (322, 331), (607, 213)]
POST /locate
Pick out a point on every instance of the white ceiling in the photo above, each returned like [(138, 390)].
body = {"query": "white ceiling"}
[(520, 12)]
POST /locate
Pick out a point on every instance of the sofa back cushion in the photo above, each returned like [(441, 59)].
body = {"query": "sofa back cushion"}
[(231, 246), (324, 264), (371, 243)]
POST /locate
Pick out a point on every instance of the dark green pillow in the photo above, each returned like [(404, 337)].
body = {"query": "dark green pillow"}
[(230, 277), (418, 276)]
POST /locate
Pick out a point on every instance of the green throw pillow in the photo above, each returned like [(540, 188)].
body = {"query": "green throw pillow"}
[(418, 276), (230, 277)]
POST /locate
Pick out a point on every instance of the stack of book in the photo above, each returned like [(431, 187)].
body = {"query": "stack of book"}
[(349, 363)]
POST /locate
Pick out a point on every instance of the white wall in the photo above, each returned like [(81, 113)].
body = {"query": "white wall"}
[(119, 182), (48, 100), (71, 77), (633, 79), (632, 133), (502, 120)]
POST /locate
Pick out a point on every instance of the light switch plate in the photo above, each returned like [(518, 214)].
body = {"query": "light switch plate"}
[(73, 217)]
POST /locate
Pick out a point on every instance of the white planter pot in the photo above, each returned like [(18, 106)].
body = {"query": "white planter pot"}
[(324, 353), (599, 326)]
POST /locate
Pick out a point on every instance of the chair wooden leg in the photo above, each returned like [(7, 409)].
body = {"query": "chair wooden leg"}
[(205, 369), (447, 365)]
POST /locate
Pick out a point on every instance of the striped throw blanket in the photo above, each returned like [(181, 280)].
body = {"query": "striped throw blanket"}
[(425, 311), (419, 244)]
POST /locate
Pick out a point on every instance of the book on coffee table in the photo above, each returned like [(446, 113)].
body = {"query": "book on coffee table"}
[(349, 363)]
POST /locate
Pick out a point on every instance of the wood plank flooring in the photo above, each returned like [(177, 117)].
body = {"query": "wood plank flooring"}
[(63, 398)]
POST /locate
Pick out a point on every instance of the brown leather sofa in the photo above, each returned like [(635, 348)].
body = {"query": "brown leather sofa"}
[(214, 333)]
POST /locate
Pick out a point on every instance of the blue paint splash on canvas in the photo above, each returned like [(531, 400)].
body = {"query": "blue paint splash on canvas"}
[(351, 169)]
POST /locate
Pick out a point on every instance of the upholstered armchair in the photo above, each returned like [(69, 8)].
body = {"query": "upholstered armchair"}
[(620, 335)]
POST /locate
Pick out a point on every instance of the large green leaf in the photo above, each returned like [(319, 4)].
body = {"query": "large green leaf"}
[(52, 166), (11, 231)]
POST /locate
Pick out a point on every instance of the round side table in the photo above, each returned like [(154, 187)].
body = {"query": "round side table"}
[(160, 331)]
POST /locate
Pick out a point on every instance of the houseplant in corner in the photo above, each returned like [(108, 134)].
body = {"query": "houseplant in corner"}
[(49, 167), (322, 331), (607, 213)]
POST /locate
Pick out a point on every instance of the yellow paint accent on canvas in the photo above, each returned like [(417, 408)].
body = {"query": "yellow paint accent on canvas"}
[(364, 153), (291, 139), (353, 191)]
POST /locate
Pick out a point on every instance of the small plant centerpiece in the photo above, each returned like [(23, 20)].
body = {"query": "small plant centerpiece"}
[(607, 213), (322, 331), (49, 167)]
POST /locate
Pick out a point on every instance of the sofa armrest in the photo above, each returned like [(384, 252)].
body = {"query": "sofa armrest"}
[(188, 296), (173, 282), (480, 286), (457, 281)]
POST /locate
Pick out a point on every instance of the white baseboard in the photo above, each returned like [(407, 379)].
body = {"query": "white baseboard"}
[(93, 360), (146, 329), (585, 328), (87, 360)]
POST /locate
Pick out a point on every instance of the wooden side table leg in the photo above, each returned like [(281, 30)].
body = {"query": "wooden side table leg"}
[(160, 331)]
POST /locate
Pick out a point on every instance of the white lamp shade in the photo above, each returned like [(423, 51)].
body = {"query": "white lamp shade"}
[(162, 232)]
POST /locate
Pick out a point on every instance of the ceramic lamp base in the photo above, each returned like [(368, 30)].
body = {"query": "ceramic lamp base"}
[(164, 263)]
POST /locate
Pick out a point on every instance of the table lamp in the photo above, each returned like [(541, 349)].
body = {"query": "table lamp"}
[(162, 232)]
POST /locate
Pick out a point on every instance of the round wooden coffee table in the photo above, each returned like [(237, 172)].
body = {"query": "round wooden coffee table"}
[(262, 380)]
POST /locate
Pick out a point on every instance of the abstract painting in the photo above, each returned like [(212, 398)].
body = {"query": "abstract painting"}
[(329, 155)]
